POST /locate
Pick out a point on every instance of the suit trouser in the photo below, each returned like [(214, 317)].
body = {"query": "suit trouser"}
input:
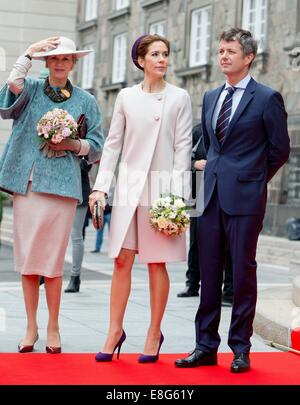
[(193, 273), (216, 231)]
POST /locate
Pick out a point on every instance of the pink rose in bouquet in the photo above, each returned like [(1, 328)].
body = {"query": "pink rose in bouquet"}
[(53, 127), (169, 216)]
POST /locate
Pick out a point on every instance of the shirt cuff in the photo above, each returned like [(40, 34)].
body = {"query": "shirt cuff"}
[(84, 148)]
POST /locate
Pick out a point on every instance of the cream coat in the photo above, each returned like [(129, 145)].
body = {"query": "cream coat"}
[(152, 132)]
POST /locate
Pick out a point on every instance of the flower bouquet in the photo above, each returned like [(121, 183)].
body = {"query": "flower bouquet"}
[(169, 215), (53, 127)]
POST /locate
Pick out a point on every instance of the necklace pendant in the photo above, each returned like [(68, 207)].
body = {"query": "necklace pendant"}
[(65, 92)]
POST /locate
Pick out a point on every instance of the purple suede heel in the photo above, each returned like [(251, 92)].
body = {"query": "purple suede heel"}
[(148, 358), (109, 356)]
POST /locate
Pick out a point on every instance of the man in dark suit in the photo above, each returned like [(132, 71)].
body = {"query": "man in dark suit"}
[(193, 272), (198, 164), (245, 131)]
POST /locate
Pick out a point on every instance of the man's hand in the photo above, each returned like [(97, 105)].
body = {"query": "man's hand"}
[(200, 164)]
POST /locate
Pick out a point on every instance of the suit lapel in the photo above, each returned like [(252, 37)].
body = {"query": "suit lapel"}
[(214, 98), (247, 97)]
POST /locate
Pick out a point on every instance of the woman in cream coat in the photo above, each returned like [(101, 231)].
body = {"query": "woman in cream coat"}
[(151, 129)]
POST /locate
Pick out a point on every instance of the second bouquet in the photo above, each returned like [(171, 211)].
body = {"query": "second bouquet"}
[(169, 216), (53, 127)]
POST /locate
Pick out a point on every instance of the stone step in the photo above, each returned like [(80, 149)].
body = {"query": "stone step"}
[(294, 267), (6, 231), (275, 313), (262, 258), (296, 291), (273, 241), (270, 250)]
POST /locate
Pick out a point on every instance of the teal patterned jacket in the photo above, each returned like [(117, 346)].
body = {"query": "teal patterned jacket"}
[(60, 176)]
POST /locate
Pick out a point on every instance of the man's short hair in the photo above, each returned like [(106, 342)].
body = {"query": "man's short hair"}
[(244, 37)]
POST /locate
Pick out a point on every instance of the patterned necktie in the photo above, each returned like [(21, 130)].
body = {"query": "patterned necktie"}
[(224, 115)]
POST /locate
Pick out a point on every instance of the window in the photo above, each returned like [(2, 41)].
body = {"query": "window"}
[(200, 36), (119, 58), (91, 9), (88, 65), (255, 20), (158, 27), (121, 4)]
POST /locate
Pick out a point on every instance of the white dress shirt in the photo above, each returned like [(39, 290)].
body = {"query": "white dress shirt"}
[(237, 95)]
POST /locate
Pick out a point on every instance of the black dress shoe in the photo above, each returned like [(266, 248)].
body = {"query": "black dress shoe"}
[(240, 363), (226, 302), (188, 292), (197, 358)]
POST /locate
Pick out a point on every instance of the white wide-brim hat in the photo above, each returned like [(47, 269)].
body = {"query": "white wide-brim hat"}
[(65, 47)]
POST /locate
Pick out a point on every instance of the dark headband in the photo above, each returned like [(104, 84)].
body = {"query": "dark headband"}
[(134, 55)]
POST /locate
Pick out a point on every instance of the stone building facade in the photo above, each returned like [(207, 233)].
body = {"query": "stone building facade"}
[(23, 22), (193, 27)]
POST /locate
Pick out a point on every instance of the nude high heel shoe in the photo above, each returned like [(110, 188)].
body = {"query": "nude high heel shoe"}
[(28, 348)]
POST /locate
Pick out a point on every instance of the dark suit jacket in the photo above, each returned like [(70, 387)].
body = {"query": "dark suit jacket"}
[(198, 153), (256, 145), (85, 181)]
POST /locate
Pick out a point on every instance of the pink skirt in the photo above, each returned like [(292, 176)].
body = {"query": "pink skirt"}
[(42, 226), (150, 245)]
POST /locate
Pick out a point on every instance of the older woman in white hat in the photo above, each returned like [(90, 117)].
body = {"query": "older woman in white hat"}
[(45, 183)]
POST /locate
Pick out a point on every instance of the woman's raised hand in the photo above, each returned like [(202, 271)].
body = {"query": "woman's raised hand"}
[(43, 45), (96, 196)]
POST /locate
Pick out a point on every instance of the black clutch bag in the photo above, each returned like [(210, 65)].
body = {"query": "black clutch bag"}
[(98, 216), (81, 127)]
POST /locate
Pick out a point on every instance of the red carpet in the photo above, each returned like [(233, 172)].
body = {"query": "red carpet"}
[(81, 369)]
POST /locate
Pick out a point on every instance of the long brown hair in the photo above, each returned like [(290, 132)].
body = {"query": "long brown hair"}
[(143, 47)]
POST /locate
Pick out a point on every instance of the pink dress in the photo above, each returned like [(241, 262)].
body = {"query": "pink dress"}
[(42, 226)]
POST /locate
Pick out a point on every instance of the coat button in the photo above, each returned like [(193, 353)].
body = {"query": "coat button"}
[(157, 118), (159, 98)]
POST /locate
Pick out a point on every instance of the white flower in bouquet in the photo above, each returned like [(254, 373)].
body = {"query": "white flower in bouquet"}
[(169, 216), (53, 127)]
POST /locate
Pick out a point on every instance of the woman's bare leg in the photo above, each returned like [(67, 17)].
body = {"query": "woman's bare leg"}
[(30, 284), (159, 290), (119, 294), (53, 295)]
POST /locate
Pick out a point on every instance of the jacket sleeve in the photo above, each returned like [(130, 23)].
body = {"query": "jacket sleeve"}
[(198, 152), (181, 180), (94, 134), (112, 148), (204, 130), (18, 74), (12, 106), (275, 120)]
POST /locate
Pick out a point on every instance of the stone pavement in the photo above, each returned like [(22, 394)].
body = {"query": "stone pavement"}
[(84, 316)]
